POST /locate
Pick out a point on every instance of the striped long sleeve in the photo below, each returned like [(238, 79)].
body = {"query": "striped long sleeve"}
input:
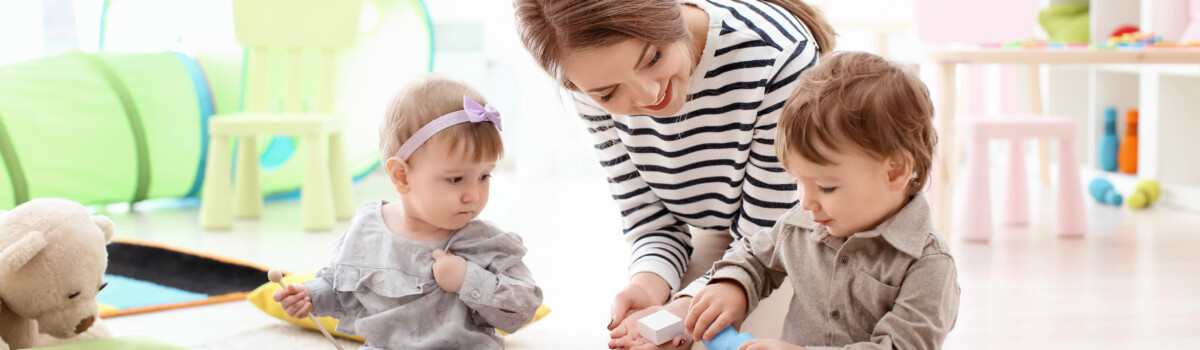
[(660, 241), (713, 165)]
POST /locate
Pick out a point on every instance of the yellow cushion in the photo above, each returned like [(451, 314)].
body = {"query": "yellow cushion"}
[(263, 298), (105, 308)]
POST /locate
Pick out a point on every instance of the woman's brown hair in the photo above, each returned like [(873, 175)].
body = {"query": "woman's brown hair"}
[(553, 29), (859, 99)]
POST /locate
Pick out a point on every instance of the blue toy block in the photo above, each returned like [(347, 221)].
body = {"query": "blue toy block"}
[(728, 339)]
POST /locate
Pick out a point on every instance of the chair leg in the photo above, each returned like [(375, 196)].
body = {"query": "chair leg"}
[(339, 175), (976, 223), (1072, 217), (215, 211), (247, 192), (1016, 203), (316, 205)]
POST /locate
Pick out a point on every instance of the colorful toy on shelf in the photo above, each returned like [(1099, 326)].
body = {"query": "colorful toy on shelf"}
[(1103, 191), (1127, 157), (1129, 37), (1037, 44), (1145, 194), (1134, 40), (1107, 154), (1125, 29), (728, 339)]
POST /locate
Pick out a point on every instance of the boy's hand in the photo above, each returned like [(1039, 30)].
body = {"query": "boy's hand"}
[(717, 306), (625, 335), (449, 270), (768, 344), (295, 300)]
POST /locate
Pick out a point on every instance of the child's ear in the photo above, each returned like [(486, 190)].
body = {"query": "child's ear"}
[(899, 170), (398, 171)]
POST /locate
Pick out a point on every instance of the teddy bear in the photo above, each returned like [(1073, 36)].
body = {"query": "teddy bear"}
[(52, 260)]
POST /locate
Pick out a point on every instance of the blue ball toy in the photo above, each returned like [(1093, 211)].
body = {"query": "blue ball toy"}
[(1103, 191)]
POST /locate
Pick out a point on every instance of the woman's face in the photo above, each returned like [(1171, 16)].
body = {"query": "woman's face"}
[(633, 77)]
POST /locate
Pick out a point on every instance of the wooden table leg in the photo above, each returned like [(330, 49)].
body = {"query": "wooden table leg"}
[(942, 183)]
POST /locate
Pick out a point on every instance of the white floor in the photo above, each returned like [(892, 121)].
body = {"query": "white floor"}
[(1130, 284)]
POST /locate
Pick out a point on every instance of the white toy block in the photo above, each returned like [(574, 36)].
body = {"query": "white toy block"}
[(660, 327)]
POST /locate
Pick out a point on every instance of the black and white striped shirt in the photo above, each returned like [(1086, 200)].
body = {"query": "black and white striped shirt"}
[(712, 166)]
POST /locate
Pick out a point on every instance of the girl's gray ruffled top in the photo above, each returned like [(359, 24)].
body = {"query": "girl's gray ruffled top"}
[(380, 286)]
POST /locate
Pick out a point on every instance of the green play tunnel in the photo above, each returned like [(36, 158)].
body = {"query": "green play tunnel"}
[(118, 128), (99, 128)]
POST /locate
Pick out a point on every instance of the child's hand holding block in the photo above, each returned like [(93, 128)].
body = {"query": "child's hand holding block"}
[(660, 327)]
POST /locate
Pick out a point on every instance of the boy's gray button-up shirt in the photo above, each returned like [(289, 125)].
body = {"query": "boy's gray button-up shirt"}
[(380, 285), (891, 287)]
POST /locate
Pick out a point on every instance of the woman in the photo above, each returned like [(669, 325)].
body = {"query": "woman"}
[(681, 97)]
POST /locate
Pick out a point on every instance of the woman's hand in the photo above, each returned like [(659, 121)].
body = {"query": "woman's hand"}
[(768, 344), (717, 306), (449, 270), (644, 290), (295, 300), (626, 336)]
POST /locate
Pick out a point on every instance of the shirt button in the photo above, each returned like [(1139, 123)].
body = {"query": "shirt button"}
[(475, 294), (836, 314), (845, 260)]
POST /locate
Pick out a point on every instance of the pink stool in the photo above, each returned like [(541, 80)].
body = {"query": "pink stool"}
[(976, 222)]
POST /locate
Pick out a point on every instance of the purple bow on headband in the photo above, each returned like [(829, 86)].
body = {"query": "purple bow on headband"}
[(472, 113), (477, 113)]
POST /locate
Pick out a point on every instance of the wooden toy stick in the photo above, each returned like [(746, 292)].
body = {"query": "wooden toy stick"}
[(277, 277)]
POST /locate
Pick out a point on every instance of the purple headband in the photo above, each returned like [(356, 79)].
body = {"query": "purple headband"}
[(472, 112)]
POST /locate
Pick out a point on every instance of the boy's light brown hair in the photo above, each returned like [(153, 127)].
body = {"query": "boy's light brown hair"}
[(426, 99), (857, 99)]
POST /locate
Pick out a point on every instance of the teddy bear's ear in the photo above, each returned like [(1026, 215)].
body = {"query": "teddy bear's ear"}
[(105, 225), (19, 253)]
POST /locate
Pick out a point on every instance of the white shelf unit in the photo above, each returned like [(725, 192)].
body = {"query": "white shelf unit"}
[(1167, 98)]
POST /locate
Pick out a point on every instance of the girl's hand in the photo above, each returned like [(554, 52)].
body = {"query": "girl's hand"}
[(626, 336), (449, 270), (295, 300), (717, 306), (768, 344)]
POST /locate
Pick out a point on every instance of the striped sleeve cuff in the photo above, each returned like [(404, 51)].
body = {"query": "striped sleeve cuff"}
[(659, 267)]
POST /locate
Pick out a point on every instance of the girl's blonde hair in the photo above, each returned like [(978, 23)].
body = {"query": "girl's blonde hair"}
[(859, 99), (553, 29), (431, 97)]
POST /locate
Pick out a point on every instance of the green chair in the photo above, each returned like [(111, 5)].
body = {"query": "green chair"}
[(296, 28)]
